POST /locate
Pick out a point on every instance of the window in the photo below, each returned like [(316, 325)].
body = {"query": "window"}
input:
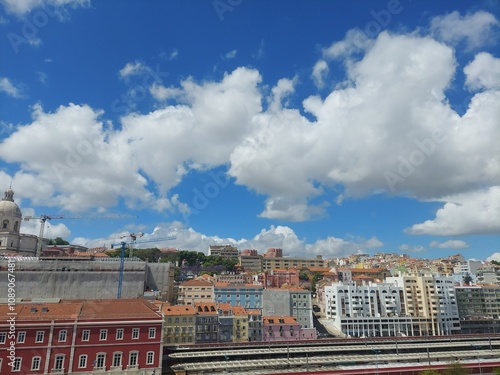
[(85, 335), (35, 363), (21, 336), (152, 333), (82, 361), (16, 365), (119, 334), (103, 335), (150, 358), (117, 359), (3, 337), (135, 333), (100, 360), (132, 359), (59, 362), (62, 335)]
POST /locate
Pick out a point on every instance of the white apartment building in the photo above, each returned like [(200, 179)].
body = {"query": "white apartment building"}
[(432, 297), (410, 305), (369, 310)]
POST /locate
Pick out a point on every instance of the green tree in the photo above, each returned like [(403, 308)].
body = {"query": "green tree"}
[(57, 241), (303, 276), (456, 368), (429, 372), (467, 279), (497, 371)]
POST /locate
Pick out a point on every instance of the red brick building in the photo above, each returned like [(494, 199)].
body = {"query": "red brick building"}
[(82, 337)]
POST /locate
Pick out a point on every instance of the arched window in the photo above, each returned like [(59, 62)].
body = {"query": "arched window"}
[(16, 226), (5, 224)]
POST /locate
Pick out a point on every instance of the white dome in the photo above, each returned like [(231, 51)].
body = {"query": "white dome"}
[(8, 208)]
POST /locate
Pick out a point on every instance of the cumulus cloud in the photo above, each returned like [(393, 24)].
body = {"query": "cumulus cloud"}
[(355, 41), (483, 72), (450, 244), (23, 7), (462, 214), (9, 88), (92, 166), (388, 128), (162, 93), (494, 256), (476, 29), (276, 236)]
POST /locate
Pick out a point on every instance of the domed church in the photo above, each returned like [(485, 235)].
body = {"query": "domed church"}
[(12, 242)]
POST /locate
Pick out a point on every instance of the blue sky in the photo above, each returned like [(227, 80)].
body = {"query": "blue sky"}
[(322, 127)]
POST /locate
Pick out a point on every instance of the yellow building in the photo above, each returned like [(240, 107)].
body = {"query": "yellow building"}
[(180, 323), (240, 324)]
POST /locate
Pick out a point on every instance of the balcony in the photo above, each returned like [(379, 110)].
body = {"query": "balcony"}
[(115, 368), (57, 371), (132, 367)]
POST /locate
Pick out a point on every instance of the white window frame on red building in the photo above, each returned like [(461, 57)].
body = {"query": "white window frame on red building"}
[(82, 338)]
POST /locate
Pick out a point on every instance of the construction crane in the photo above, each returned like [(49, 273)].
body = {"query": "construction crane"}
[(133, 240), (43, 219)]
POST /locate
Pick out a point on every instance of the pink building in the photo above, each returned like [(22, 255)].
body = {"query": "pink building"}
[(274, 252), (249, 253), (279, 277), (285, 328)]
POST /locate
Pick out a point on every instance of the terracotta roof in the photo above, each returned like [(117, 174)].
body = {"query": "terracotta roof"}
[(194, 282), (178, 310), (206, 308), (276, 320), (225, 306), (84, 310), (366, 270), (319, 269), (239, 310), (114, 308), (43, 311)]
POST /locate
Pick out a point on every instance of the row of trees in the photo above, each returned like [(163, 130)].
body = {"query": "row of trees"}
[(181, 258)]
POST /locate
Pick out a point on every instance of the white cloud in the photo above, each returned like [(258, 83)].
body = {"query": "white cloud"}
[(276, 236), (380, 122), (9, 88), (483, 72), (411, 248), (467, 213), (477, 29), (174, 54), (231, 54), (355, 41), (92, 166), (494, 256), (83, 170), (23, 7), (132, 68), (320, 70), (162, 93), (450, 244)]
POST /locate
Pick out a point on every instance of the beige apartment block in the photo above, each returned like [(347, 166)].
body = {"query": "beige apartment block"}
[(193, 291)]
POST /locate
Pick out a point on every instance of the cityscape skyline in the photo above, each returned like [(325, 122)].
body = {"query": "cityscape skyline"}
[(327, 129)]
